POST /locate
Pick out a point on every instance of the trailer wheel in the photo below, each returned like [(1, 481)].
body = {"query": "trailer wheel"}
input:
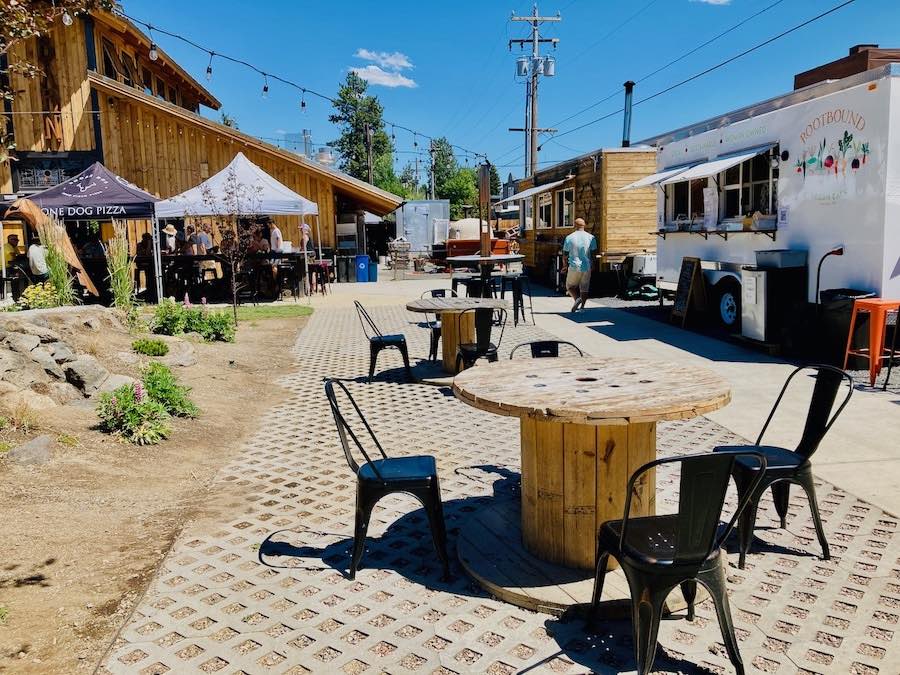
[(728, 304)]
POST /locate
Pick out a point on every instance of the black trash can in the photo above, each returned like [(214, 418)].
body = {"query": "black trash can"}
[(835, 310), (346, 268)]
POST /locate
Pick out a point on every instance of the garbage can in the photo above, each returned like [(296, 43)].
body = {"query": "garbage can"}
[(373, 270), (344, 268), (362, 268), (835, 309)]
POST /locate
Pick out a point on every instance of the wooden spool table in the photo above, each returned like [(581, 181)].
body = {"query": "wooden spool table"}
[(454, 329), (586, 425)]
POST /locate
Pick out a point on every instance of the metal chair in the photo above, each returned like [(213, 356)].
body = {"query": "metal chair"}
[(469, 352), (517, 283), (893, 355), (416, 476), (541, 349), (658, 553), (790, 466), (379, 341), (435, 325)]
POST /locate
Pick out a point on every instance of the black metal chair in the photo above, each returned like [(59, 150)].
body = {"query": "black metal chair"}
[(469, 352), (541, 349), (517, 283), (658, 553), (435, 325), (790, 466), (416, 476), (893, 355), (379, 341)]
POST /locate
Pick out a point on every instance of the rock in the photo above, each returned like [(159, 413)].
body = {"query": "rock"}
[(42, 333), (115, 381), (7, 388), (42, 357), (128, 357), (9, 360), (61, 352), (35, 451), (23, 372), (29, 398), (86, 373), (22, 342), (63, 392), (181, 354), (91, 323)]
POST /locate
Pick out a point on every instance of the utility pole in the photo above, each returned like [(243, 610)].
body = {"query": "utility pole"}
[(370, 134), (538, 65), (431, 154), (417, 174)]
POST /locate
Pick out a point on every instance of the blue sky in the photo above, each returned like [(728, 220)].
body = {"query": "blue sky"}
[(451, 72)]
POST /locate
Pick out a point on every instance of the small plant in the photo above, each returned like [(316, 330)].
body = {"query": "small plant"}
[(4, 614), (133, 415), (54, 238), (168, 318), (121, 270), (39, 296), (4, 423), (67, 439), (161, 386), (150, 347), (25, 418), (5, 447), (218, 326)]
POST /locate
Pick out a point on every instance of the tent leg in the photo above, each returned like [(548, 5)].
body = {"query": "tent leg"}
[(157, 261)]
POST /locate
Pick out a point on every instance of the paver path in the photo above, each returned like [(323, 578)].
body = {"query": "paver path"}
[(263, 589)]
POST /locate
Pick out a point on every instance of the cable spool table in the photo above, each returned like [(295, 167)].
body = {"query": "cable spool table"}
[(586, 425), (454, 329)]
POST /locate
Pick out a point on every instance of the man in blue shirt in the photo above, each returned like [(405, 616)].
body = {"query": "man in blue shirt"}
[(578, 248)]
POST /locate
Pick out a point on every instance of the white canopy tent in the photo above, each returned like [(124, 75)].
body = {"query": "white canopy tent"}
[(259, 194)]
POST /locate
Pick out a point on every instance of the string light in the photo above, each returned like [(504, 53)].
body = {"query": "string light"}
[(303, 101), (154, 52), (67, 18), (265, 91), (209, 67)]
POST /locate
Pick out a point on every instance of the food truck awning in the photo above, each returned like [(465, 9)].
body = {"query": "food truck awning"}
[(656, 178), (718, 165), (530, 192)]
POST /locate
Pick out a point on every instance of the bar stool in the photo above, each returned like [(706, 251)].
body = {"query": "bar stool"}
[(876, 352), (893, 349)]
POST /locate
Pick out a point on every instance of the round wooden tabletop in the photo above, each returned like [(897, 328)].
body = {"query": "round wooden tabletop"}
[(592, 390), (438, 305)]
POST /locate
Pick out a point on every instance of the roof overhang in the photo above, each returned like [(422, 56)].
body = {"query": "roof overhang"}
[(656, 178), (532, 191), (718, 165)]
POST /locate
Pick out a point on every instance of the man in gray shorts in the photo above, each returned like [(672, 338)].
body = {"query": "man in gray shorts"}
[(578, 248)]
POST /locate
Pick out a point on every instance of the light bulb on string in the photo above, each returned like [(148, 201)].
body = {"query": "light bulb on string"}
[(415, 141), (303, 101), (265, 91), (67, 18), (209, 67), (154, 52)]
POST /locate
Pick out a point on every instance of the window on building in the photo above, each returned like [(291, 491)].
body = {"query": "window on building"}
[(565, 207), (173, 95), (751, 186), (129, 72), (545, 210), (525, 215), (160, 89), (109, 60), (148, 81), (686, 198)]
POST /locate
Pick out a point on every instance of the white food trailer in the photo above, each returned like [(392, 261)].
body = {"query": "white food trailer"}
[(813, 170)]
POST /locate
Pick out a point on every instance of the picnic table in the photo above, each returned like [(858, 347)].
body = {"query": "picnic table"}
[(586, 425), (455, 329)]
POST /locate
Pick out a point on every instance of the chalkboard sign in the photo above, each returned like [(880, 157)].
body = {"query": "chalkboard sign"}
[(691, 290)]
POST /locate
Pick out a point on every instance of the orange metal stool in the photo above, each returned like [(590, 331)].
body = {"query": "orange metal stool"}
[(878, 309)]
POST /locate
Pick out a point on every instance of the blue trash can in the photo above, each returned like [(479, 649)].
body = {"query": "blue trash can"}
[(373, 270), (362, 268)]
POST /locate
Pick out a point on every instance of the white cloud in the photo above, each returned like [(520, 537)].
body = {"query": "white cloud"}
[(389, 60), (713, 2), (375, 75)]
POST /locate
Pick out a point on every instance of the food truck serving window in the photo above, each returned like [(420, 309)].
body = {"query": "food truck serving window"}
[(751, 186), (687, 199)]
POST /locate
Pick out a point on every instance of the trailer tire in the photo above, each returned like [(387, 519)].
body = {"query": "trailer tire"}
[(728, 304)]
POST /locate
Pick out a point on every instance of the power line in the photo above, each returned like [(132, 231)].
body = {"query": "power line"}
[(267, 76), (615, 30), (713, 68)]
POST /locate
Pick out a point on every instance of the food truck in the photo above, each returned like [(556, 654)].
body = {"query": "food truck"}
[(812, 173)]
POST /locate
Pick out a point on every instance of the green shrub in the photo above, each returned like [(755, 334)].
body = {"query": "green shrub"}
[(168, 318), (218, 326), (39, 296), (133, 415), (161, 386), (150, 347)]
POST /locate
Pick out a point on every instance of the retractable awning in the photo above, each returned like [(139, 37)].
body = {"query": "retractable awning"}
[(530, 192), (656, 178), (718, 165)]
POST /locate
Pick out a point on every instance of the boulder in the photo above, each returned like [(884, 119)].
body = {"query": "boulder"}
[(22, 342), (35, 451), (23, 373), (61, 352), (86, 373), (43, 358), (42, 333), (29, 398), (10, 360), (128, 357), (63, 392), (181, 354), (115, 381), (91, 323)]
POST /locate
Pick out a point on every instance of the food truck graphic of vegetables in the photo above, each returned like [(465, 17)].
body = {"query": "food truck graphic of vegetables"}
[(825, 159)]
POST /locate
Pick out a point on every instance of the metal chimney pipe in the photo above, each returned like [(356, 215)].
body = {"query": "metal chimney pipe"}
[(626, 128)]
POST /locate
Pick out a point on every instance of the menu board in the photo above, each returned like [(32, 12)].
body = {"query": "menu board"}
[(691, 291)]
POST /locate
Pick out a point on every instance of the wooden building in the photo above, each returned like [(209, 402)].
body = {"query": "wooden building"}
[(102, 98), (587, 187)]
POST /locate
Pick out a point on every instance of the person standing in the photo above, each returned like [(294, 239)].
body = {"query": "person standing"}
[(578, 248), (275, 238), (37, 260), (11, 249)]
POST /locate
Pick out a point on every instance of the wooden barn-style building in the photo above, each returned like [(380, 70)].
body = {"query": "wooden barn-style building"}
[(587, 187), (101, 98)]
